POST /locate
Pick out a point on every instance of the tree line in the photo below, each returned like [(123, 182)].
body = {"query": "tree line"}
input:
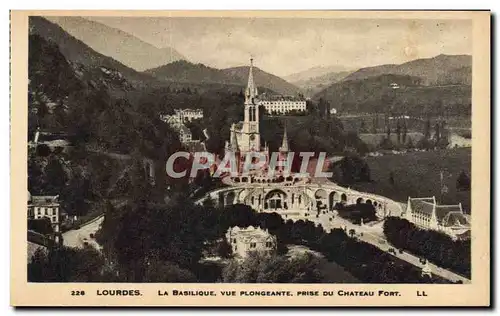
[(148, 242), (437, 247)]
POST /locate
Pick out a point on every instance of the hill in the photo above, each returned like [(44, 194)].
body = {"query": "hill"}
[(313, 72), (374, 94), (184, 71), (122, 46), (263, 79), (439, 70), (313, 85), (87, 100), (199, 74), (78, 52)]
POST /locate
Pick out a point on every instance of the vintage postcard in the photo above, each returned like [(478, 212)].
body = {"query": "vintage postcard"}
[(250, 158)]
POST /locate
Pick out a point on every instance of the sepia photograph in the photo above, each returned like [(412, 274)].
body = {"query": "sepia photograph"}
[(236, 149)]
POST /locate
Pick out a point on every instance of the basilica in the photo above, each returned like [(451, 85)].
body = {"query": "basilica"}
[(245, 136), (281, 191)]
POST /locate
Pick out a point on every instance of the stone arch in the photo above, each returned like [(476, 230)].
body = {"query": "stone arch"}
[(276, 200), (320, 194), (221, 199), (359, 200), (343, 197), (321, 200), (331, 199), (230, 198), (369, 202)]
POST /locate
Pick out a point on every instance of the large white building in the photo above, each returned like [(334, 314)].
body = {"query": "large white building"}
[(279, 104), (427, 214), (185, 135), (183, 115), (244, 241)]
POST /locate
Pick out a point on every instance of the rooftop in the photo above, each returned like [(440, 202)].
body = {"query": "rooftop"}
[(277, 97), (423, 205), (43, 199), (250, 233), (446, 215)]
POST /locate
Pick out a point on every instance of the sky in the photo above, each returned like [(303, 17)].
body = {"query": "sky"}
[(284, 46)]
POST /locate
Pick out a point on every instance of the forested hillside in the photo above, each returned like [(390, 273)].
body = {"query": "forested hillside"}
[(377, 94)]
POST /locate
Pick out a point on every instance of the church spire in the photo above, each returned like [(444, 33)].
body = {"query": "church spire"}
[(234, 141), (251, 91), (284, 143)]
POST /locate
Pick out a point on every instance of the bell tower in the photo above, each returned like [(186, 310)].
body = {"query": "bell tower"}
[(251, 133)]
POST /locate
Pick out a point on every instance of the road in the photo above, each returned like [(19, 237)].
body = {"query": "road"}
[(373, 234), (76, 238)]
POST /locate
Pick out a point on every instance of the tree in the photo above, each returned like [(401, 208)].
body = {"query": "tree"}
[(42, 150), (42, 113), (352, 232), (405, 131), (260, 268), (166, 272), (443, 141), (60, 114), (410, 144), (435, 246), (463, 182), (41, 225), (362, 127), (224, 249), (398, 132), (36, 181), (74, 196), (427, 129), (55, 176), (66, 265), (357, 212), (386, 144), (437, 133), (391, 178), (353, 169), (375, 124)]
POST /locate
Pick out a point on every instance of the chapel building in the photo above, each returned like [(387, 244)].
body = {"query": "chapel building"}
[(426, 213)]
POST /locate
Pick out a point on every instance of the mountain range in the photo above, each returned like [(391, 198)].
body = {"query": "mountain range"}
[(403, 94), (187, 72), (363, 90), (115, 43), (76, 51), (438, 70), (313, 72), (313, 85)]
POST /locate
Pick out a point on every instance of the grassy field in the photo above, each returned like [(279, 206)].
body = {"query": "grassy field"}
[(417, 174), (373, 140), (354, 122)]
